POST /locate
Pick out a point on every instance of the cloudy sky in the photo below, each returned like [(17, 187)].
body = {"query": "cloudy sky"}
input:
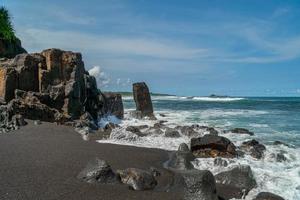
[(192, 47)]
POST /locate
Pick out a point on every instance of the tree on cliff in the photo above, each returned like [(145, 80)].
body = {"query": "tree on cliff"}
[(10, 45), (6, 28)]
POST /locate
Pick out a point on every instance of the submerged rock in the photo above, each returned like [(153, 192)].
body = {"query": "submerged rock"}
[(172, 133), (220, 162), (181, 159), (267, 196), (235, 183), (199, 184), (137, 179), (98, 171), (242, 131), (255, 149), (142, 100), (212, 146)]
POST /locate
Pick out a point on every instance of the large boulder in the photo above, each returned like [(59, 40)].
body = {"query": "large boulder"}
[(267, 196), (10, 48), (199, 184), (181, 159), (213, 146), (142, 100), (137, 179), (113, 104), (98, 171), (235, 183)]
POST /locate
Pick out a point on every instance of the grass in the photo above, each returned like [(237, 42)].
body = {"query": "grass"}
[(7, 31)]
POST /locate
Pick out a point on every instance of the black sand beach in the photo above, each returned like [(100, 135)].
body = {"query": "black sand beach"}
[(42, 162)]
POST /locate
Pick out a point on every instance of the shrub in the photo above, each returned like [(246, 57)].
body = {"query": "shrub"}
[(6, 28)]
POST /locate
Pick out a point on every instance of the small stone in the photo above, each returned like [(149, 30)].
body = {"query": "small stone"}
[(172, 133), (37, 122)]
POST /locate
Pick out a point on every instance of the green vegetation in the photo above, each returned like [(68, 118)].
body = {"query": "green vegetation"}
[(6, 28)]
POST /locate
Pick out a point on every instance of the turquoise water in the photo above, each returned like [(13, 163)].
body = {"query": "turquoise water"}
[(270, 118)]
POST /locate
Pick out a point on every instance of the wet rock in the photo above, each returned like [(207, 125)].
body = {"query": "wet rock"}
[(280, 143), (162, 115), (155, 172), (142, 100), (183, 147), (267, 196), (280, 157), (133, 129), (113, 104), (155, 131), (86, 120), (98, 171), (255, 149), (212, 146), (181, 159), (187, 130), (137, 179), (220, 162), (242, 131), (235, 183), (199, 184), (212, 131), (172, 133)]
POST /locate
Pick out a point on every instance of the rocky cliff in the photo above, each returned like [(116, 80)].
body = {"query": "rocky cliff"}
[(10, 49), (51, 86)]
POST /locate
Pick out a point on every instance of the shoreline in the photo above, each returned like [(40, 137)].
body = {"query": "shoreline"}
[(42, 162)]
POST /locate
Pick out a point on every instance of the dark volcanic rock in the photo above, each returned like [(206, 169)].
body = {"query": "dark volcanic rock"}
[(137, 179), (255, 149), (142, 100), (267, 196), (212, 146), (10, 48), (242, 131), (172, 133), (220, 162), (181, 159), (98, 171), (113, 104), (18, 120), (187, 130), (199, 184), (235, 183), (212, 131)]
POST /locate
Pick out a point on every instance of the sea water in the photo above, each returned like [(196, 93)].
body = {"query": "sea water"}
[(271, 119)]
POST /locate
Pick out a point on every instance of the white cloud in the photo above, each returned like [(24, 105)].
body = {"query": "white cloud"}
[(158, 48), (102, 78)]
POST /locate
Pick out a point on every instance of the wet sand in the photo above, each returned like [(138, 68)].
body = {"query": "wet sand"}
[(42, 162)]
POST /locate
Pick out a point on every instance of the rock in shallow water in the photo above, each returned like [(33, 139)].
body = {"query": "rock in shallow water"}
[(255, 149), (235, 183), (137, 179), (172, 133), (181, 159), (267, 196), (212, 146), (242, 131), (98, 171)]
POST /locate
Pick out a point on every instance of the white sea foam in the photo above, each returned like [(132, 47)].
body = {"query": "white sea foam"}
[(220, 99), (271, 176)]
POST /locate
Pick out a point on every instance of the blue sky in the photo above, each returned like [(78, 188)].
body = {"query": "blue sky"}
[(236, 47)]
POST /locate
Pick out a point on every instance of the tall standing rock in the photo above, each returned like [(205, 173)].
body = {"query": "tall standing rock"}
[(142, 100)]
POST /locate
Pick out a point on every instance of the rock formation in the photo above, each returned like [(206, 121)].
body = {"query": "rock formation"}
[(142, 100), (212, 146), (50, 86), (113, 104), (10, 48)]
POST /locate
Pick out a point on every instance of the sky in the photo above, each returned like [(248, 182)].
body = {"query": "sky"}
[(186, 47)]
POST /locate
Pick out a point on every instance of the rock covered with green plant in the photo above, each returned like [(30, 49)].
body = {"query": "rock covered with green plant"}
[(10, 45)]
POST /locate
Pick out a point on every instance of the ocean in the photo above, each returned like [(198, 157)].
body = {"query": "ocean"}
[(271, 119)]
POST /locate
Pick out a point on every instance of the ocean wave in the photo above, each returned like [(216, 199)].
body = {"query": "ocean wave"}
[(218, 99)]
